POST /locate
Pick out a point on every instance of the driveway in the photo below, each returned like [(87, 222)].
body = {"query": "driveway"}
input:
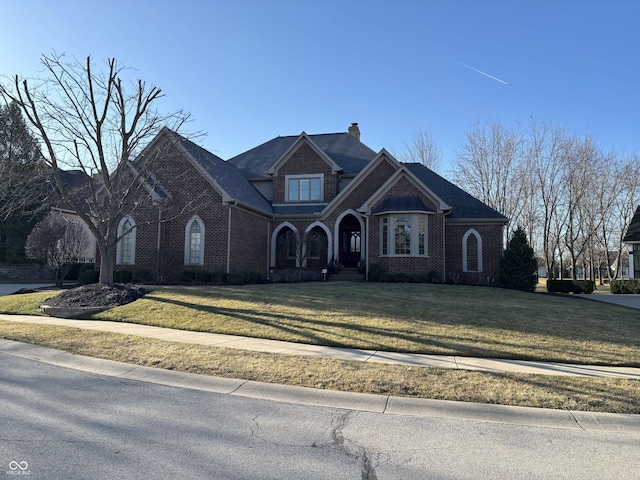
[(9, 288)]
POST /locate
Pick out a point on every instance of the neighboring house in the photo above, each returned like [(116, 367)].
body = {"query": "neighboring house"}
[(309, 199), (632, 238)]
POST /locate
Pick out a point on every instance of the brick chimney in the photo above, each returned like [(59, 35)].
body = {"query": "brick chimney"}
[(354, 131)]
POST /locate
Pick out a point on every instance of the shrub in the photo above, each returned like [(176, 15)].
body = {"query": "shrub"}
[(122, 276), (235, 278), (434, 277), (401, 278), (625, 286), (188, 276), (570, 286), (89, 276), (76, 268), (518, 266), (141, 275), (202, 277), (420, 279), (375, 270), (386, 277), (218, 277)]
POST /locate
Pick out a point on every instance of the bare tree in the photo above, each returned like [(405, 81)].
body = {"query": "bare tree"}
[(545, 147), (59, 242), (95, 121), (490, 167), (422, 149)]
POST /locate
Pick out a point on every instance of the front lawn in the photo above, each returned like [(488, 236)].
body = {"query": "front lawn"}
[(421, 318)]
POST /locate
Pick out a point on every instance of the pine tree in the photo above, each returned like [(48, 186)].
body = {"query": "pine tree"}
[(519, 267), (23, 187)]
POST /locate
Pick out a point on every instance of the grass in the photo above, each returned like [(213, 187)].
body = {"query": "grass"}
[(436, 319)]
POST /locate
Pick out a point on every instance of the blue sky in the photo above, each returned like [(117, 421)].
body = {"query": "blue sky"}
[(250, 70)]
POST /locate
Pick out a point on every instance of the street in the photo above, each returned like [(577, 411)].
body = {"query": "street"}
[(62, 423)]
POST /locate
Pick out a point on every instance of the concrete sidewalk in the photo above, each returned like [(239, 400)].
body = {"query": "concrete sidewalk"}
[(319, 351)]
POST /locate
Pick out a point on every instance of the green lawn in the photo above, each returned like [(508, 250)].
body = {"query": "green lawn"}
[(418, 318)]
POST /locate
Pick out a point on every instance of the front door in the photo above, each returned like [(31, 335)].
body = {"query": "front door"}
[(350, 241)]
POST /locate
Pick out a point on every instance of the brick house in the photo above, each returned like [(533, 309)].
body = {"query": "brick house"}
[(305, 200), (632, 238)]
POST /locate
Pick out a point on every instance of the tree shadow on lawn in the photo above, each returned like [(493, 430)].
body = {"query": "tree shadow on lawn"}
[(346, 335), (485, 308)]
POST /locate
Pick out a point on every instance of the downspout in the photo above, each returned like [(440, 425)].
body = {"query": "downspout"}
[(229, 237), (366, 248), (158, 245), (444, 247)]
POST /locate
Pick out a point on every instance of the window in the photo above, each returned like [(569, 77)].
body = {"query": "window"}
[(304, 188), (403, 235), (402, 240), (194, 242), (472, 251), (125, 250)]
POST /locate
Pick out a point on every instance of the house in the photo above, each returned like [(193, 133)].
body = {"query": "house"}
[(632, 238), (304, 201)]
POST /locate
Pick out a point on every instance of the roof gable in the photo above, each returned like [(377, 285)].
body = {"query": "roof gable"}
[(463, 205), (633, 230), (342, 149), (300, 141)]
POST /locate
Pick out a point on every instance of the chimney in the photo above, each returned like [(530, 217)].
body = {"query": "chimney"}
[(354, 131)]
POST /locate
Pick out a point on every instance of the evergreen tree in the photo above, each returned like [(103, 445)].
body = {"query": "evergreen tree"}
[(23, 188), (519, 267)]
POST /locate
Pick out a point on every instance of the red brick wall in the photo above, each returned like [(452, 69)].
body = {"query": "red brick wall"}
[(249, 240), (305, 161), (492, 236)]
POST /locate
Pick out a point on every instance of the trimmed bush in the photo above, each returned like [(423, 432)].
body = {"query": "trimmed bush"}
[(202, 277), (77, 268), (570, 286), (188, 276), (434, 277), (89, 276), (235, 278), (374, 272), (122, 276), (625, 286), (401, 278), (141, 275), (420, 279), (386, 277), (218, 277)]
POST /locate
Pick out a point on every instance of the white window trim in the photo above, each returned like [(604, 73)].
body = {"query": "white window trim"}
[(287, 180), (133, 241), (474, 232), (187, 241), (415, 234)]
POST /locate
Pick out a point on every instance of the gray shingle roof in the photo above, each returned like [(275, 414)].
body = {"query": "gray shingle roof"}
[(344, 149), (228, 177), (401, 204), (633, 231), (462, 204)]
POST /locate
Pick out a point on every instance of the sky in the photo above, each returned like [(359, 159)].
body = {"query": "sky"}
[(251, 70)]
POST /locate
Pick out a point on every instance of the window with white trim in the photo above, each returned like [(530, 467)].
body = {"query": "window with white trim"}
[(194, 242), (126, 248), (403, 235), (304, 188)]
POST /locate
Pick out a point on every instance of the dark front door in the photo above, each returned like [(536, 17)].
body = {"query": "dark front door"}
[(350, 241)]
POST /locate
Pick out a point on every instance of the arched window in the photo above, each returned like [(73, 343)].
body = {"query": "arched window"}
[(472, 251), (126, 248), (194, 242)]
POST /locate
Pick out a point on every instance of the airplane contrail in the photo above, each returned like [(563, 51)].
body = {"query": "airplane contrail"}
[(480, 72)]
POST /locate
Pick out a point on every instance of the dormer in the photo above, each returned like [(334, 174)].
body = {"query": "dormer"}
[(304, 174)]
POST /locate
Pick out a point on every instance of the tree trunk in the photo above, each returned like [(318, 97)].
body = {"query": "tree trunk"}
[(106, 265)]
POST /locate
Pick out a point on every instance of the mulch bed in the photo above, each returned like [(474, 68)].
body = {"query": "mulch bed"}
[(97, 295)]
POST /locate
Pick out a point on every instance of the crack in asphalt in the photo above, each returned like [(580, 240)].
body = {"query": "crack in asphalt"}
[(347, 447)]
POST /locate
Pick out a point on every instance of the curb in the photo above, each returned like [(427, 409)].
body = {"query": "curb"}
[(382, 404)]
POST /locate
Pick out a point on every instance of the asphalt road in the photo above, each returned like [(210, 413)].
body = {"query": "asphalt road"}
[(62, 423)]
